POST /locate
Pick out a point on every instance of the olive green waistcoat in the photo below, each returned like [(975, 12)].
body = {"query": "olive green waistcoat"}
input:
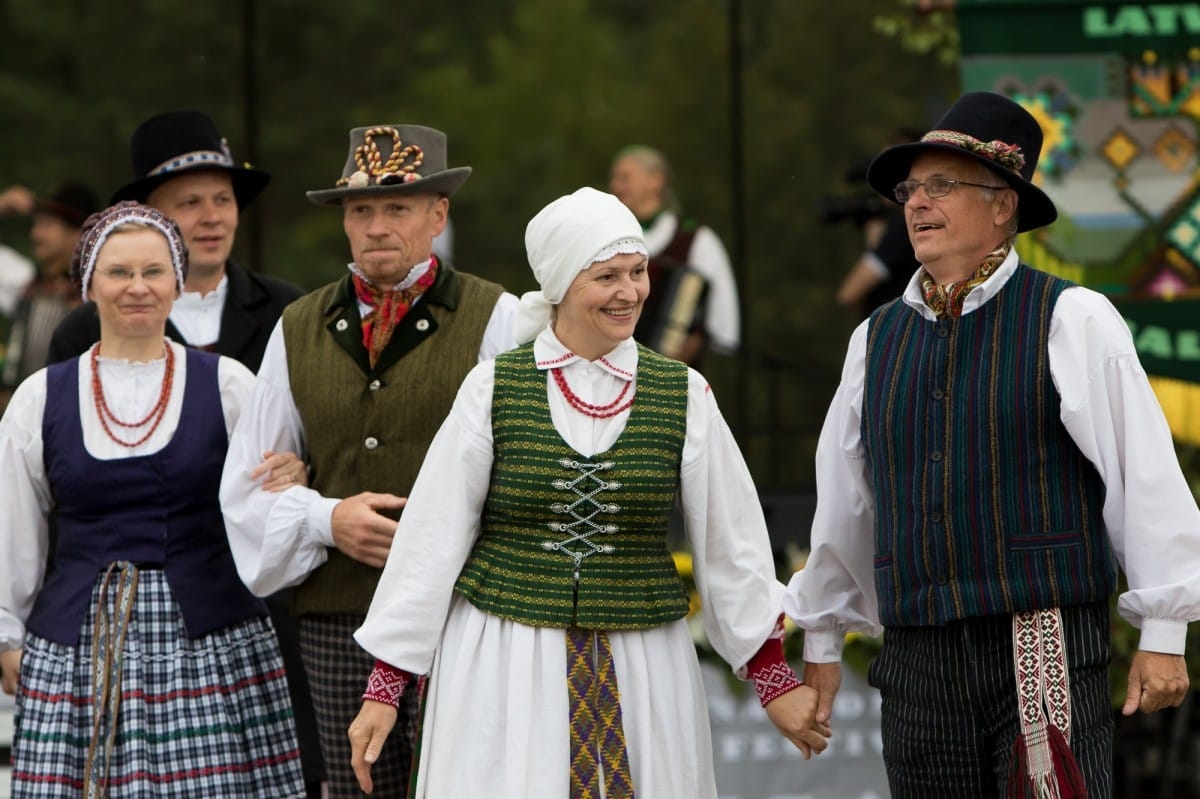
[(572, 541), (368, 429)]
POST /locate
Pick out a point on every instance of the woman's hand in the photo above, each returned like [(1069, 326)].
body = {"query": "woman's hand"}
[(280, 471), (10, 667), (367, 733), (794, 714)]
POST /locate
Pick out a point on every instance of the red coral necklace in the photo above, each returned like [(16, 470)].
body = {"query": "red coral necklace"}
[(588, 409), (154, 418)]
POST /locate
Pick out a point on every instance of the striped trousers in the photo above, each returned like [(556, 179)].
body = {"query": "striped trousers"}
[(338, 669), (949, 712)]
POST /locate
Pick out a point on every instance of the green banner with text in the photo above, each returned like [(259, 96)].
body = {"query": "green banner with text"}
[(1116, 88)]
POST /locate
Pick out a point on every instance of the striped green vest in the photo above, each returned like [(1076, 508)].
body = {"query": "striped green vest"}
[(368, 429), (573, 541), (983, 503)]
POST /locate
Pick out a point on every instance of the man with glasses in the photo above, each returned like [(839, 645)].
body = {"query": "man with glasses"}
[(993, 453)]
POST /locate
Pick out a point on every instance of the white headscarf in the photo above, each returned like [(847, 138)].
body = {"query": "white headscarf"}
[(566, 237)]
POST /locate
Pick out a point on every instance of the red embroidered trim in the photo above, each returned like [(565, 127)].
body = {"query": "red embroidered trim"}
[(386, 684), (772, 675)]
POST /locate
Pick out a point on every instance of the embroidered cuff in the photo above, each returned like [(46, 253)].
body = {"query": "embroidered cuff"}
[(386, 684), (769, 670)]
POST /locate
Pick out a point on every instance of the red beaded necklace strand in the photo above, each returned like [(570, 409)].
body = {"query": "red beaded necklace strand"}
[(586, 408), (156, 413)]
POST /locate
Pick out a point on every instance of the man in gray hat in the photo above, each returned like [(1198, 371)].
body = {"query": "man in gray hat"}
[(357, 377)]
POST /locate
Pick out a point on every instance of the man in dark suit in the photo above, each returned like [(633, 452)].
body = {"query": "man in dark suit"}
[(182, 166)]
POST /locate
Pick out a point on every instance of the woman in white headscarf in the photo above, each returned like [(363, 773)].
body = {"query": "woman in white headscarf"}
[(530, 577)]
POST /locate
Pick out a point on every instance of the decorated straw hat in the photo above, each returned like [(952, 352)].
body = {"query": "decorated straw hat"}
[(988, 128), (394, 159), (177, 142)]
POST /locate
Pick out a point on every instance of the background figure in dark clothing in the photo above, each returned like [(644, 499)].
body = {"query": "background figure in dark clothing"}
[(693, 303), (53, 234), (887, 262), (183, 167)]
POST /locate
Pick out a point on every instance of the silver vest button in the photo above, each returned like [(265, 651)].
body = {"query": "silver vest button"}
[(371, 443), (422, 325), (374, 385), (341, 325)]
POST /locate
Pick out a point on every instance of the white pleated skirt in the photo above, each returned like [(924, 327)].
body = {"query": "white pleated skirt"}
[(497, 714)]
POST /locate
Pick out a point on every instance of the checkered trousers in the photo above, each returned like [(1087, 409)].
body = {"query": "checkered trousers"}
[(208, 716), (338, 669)]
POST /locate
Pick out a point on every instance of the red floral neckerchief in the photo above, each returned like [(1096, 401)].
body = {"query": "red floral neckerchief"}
[(387, 308), (947, 301)]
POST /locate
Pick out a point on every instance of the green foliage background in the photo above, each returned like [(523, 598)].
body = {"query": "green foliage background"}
[(536, 95)]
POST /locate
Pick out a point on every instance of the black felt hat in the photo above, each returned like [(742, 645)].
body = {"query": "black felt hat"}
[(988, 128), (176, 142)]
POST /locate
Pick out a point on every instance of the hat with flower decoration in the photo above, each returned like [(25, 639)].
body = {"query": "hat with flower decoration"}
[(985, 127), (174, 143), (394, 159)]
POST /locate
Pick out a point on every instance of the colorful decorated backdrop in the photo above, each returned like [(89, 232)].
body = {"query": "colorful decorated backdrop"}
[(1116, 87)]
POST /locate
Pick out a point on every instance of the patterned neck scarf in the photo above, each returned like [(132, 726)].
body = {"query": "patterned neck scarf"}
[(947, 301), (387, 308)]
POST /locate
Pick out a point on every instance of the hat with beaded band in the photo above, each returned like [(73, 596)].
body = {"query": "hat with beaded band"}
[(988, 128), (174, 143), (394, 159)]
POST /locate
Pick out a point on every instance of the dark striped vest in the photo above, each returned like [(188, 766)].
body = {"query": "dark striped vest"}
[(983, 504), (368, 429), (531, 563)]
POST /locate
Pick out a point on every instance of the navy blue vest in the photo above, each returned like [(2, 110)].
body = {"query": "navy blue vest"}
[(984, 505), (157, 510)]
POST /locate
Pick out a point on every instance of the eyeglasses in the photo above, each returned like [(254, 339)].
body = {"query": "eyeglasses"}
[(120, 274), (935, 187)]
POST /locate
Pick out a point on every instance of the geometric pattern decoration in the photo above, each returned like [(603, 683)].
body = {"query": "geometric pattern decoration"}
[(1184, 233), (1120, 149), (1174, 149), (1056, 115)]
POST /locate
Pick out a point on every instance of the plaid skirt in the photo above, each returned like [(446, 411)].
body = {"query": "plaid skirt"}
[(204, 717)]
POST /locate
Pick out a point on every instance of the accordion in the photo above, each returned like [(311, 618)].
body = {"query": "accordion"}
[(674, 309)]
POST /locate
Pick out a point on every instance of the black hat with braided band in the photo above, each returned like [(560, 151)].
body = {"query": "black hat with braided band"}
[(174, 143), (988, 128), (394, 159)]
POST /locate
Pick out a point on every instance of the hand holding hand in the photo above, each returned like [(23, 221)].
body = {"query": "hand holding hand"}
[(826, 678), (794, 715), (367, 733), (360, 531)]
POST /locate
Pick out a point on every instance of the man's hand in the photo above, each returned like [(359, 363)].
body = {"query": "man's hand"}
[(10, 667), (826, 678), (794, 715), (367, 733), (360, 531), (1155, 681), (280, 471)]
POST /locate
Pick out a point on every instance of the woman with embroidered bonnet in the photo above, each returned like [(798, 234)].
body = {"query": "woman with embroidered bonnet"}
[(530, 577), (145, 667)]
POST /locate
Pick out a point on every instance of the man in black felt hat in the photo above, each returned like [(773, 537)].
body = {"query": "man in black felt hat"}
[(183, 167), (993, 454), (359, 376)]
